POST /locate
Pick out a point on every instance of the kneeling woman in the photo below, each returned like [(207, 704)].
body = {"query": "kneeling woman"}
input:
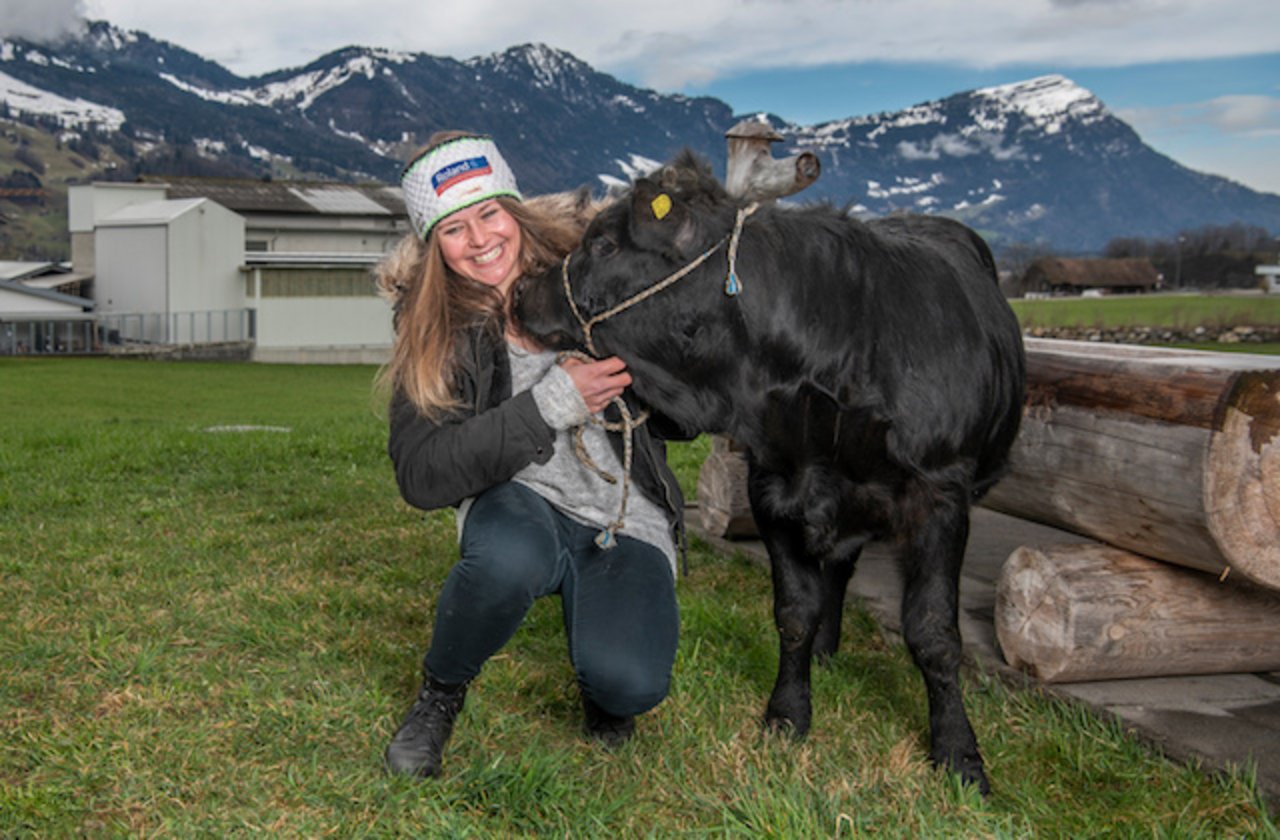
[(480, 420)]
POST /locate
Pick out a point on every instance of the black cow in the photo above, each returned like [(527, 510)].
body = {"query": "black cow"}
[(873, 371)]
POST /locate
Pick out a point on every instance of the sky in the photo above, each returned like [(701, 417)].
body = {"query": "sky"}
[(1199, 80)]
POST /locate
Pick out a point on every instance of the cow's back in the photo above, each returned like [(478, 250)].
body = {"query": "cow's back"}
[(957, 342)]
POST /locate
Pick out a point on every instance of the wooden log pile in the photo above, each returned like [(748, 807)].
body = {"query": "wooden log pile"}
[(1171, 458), (1166, 457), (1171, 454)]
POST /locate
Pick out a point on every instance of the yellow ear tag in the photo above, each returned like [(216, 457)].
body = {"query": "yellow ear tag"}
[(661, 205)]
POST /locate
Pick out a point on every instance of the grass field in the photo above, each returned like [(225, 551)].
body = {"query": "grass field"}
[(1165, 310), (209, 632)]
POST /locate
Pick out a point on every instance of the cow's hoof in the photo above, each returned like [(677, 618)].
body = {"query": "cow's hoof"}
[(783, 725), (968, 768), (825, 647)]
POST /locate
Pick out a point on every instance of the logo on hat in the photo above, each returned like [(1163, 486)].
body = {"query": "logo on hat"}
[(456, 173)]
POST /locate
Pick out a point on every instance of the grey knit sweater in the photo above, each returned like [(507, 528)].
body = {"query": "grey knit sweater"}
[(564, 481)]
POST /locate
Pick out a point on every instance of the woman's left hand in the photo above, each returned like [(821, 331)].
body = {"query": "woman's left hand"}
[(598, 382)]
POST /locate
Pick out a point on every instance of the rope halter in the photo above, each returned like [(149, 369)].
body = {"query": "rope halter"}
[(732, 284), (608, 537)]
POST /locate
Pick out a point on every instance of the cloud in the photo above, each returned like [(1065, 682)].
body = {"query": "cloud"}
[(1248, 114), (1253, 115), (669, 43), (40, 20), (953, 145)]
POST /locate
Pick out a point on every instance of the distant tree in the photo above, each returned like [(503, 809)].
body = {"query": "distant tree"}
[(1209, 257), (1013, 262), (85, 146), (22, 180), (1128, 246), (185, 161)]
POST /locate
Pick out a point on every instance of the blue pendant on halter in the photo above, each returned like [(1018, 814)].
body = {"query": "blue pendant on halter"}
[(731, 285)]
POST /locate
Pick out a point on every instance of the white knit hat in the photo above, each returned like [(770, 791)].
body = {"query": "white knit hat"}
[(452, 176)]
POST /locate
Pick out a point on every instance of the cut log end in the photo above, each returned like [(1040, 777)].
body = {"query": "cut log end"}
[(1090, 612), (1242, 479)]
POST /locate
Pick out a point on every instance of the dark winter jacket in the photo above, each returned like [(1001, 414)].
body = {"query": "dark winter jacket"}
[(494, 435)]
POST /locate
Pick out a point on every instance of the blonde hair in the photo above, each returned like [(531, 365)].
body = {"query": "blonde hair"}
[(434, 305)]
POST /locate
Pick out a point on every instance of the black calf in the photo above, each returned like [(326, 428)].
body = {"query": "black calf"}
[(873, 371)]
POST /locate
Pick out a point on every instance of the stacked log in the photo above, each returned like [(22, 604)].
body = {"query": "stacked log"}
[(1164, 455), (723, 505), (1093, 612), (1171, 454)]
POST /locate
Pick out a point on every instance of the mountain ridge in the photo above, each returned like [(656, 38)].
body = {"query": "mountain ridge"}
[(1039, 161)]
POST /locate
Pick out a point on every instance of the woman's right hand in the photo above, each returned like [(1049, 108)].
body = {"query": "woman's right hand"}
[(598, 382)]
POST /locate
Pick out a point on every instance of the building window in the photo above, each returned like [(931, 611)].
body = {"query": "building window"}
[(314, 282)]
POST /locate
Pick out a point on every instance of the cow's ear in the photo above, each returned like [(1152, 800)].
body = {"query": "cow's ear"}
[(660, 221)]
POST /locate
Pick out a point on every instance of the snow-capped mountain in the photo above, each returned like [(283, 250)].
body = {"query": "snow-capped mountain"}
[(1040, 161)]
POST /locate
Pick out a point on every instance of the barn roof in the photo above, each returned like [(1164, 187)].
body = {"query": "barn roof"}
[(17, 287), (21, 270), (149, 213), (245, 195), (1133, 272), (40, 275)]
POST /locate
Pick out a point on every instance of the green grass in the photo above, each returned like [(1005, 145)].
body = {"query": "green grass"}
[(1175, 311), (213, 633)]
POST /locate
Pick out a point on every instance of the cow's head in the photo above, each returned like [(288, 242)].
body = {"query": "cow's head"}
[(678, 342)]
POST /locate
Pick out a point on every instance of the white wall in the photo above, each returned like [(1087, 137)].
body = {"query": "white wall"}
[(288, 323), (170, 256), (206, 250), (87, 204), (132, 269), (306, 236)]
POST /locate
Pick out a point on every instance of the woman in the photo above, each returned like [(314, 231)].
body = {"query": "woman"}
[(480, 420)]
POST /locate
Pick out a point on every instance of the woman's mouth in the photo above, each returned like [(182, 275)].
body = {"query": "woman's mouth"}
[(488, 256)]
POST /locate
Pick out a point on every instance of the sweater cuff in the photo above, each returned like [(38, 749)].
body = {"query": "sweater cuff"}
[(559, 401)]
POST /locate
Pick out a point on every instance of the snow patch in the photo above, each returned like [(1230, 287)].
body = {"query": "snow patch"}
[(1047, 103), (628, 103), (230, 97), (27, 99)]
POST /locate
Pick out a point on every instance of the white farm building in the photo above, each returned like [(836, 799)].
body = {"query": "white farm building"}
[(283, 268)]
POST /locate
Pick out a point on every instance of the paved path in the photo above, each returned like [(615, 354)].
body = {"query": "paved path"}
[(1218, 721)]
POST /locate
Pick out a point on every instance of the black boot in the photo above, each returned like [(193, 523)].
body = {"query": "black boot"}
[(419, 743), (610, 730)]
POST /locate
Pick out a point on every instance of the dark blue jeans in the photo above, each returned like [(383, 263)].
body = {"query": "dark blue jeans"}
[(619, 604)]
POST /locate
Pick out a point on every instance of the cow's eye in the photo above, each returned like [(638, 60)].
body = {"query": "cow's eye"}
[(603, 246)]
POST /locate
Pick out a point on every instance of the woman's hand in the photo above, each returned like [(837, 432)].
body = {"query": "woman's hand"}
[(598, 382)]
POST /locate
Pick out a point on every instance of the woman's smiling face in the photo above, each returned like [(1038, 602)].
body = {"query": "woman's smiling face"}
[(482, 243)]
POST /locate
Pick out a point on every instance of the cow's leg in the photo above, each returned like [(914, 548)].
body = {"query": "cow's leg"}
[(930, 621), (797, 604), (835, 584)]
